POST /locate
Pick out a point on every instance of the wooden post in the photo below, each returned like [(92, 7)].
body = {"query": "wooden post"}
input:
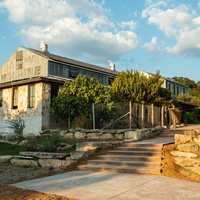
[(162, 116), (152, 115), (93, 115), (142, 115), (130, 115)]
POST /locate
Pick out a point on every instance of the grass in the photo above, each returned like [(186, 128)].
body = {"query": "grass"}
[(9, 149)]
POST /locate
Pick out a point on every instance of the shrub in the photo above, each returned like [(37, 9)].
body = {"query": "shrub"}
[(50, 144), (17, 124)]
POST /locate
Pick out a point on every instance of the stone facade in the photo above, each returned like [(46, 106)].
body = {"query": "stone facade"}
[(35, 118)]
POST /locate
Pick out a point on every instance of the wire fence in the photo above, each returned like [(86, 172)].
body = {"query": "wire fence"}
[(124, 115)]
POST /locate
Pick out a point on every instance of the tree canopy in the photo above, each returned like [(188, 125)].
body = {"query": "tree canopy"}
[(77, 95), (138, 88)]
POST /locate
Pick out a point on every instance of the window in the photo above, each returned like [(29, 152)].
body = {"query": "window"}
[(178, 90), (19, 59), (169, 86), (31, 96), (184, 90), (174, 89), (110, 80), (54, 92), (15, 98), (73, 73), (1, 98)]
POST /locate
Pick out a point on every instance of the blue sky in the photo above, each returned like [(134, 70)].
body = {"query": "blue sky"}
[(146, 35)]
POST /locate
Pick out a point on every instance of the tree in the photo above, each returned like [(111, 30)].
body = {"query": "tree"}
[(185, 81), (76, 97), (138, 88)]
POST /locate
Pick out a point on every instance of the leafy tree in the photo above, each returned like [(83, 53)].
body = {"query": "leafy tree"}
[(185, 81), (138, 88), (76, 97)]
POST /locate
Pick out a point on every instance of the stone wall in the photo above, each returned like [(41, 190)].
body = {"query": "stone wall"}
[(187, 153), (81, 149)]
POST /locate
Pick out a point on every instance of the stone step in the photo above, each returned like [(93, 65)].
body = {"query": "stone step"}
[(144, 145), (141, 153), (124, 163), (120, 169), (144, 148), (131, 158)]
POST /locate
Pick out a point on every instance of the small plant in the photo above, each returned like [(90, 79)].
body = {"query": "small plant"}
[(51, 144), (17, 124)]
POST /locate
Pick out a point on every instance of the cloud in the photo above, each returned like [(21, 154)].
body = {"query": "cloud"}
[(130, 24), (177, 22), (75, 28), (152, 46)]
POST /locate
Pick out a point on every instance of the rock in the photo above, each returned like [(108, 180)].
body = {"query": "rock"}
[(197, 140), (44, 155), (79, 135), (24, 162), (188, 147), (194, 169), (23, 142), (107, 136), (91, 146), (79, 155), (68, 136), (5, 159), (190, 133), (54, 163), (186, 162), (135, 135), (182, 139), (119, 136), (92, 136), (183, 154)]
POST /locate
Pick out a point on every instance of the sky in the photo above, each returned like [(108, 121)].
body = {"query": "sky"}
[(147, 35)]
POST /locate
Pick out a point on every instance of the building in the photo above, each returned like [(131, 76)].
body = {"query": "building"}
[(29, 80), (175, 87)]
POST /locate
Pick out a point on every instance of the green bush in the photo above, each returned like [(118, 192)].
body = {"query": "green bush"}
[(191, 118), (50, 144)]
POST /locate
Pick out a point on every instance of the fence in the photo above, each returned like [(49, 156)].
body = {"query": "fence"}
[(124, 115)]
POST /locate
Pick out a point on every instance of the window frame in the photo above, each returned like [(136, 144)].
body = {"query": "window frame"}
[(15, 98), (31, 96)]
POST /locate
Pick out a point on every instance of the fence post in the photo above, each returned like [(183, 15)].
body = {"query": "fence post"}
[(130, 116), (93, 115), (152, 115), (162, 116), (142, 115)]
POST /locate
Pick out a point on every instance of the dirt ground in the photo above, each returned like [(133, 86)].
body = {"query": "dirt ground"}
[(11, 174)]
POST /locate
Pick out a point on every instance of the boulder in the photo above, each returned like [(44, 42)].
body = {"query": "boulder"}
[(188, 147), (197, 140), (92, 136), (190, 133), (183, 154), (79, 155), (182, 139), (5, 159), (106, 136), (24, 162), (135, 135), (186, 162), (79, 135), (54, 163), (68, 135)]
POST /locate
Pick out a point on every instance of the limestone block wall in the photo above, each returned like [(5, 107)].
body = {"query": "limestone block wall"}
[(32, 116), (187, 153)]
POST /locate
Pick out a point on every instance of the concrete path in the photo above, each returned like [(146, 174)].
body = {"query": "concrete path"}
[(85, 185)]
